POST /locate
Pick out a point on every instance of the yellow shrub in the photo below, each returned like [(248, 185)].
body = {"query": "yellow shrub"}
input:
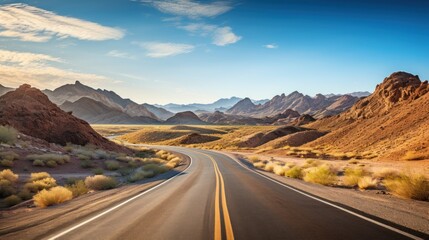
[(321, 175), (352, 176), (367, 182), (279, 170), (52, 196), (294, 172), (100, 182), (39, 176), (260, 165), (269, 167), (7, 174), (78, 188), (414, 186), (254, 159)]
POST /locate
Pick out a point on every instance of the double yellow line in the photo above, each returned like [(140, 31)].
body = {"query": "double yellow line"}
[(220, 190)]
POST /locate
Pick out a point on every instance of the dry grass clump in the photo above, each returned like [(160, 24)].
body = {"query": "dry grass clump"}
[(269, 167), (7, 158), (352, 176), (260, 165), (414, 155), (78, 188), (367, 182), (279, 170), (414, 186), (141, 174), (52, 196), (8, 135), (387, 173), (112, 165), (254, 159), (100, 182), (157, 169), (294, 172), (323, 175), (8, 175), (173, 163), (48, 159)]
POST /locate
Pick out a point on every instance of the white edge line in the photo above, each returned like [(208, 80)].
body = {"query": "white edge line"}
[(119, 205), (328, 203)]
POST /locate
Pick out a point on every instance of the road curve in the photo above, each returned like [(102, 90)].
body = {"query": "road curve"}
[(217, 198)]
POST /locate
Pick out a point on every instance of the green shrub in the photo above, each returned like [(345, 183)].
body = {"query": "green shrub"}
[(124, 171), (48, 159), (38, 163), (52, 196), (7, 174), (157, 169), (83, 157), (100, 182), (12, 200), (321, 175), (98, 171), (9, 155), (24, 194), (6, 163), (87, 164), (294, 172), (78, 188), (8, 134), (51, 164), (112, 165), (141, 174)]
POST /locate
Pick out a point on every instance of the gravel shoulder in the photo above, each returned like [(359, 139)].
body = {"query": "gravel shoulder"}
[(37, 223), (411, 214)]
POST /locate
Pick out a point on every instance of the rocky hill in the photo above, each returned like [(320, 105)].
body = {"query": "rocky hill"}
[(4, 89), (31, 112), (97, 113), (185, 118), (76, 91), (392, 122)]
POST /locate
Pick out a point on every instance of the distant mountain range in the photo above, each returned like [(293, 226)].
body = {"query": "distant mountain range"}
[(107, 107), (222, 104), (318, 106)]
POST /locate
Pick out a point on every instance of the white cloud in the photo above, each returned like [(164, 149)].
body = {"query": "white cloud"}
[(165, 49), (120, 54), (271, 46), (17, 68), (221, 36), (191, 9), (28, 23)]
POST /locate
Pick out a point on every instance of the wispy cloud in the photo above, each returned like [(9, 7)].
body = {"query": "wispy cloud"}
[(120, 54), (271, 46), (165, 49), (221, 36), (190, 9), (28, 23), (36, 69)]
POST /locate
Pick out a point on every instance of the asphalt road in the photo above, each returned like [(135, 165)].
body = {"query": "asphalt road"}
[(217, 198)]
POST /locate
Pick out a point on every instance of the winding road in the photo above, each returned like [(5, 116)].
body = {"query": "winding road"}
[(217, 197)]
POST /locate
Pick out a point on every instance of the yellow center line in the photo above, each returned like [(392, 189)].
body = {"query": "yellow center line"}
[(217, 227), (226, 217)]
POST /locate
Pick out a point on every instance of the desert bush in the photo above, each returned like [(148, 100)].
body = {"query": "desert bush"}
[(24, 194), (367, 182), (124, 171), (45, 183), (39, 176), (8, 134), (87, 164), (141, 174), (414, 186), (9, 155), (100, 154), (7, 188), (12, 200), (38, 163), (260, 165), (254, 159), (269, 167), (7, 174), (311, 163), (321, 175), (98, 171), (48, 159), (78, 188), (112, 165), (52, 196), (6, 163), (414, 155), (294, 172), (352, 176), (100, 182), (157, 169), (279, 170), (83, 157)]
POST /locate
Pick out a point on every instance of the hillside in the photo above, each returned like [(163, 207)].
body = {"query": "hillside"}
[(95, 112), (29, 111), (4, 89), (392, 122), (185, 118), (74, 92), (319, 105)]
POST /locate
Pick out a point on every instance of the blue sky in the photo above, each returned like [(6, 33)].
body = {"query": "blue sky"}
[(187, 51)]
